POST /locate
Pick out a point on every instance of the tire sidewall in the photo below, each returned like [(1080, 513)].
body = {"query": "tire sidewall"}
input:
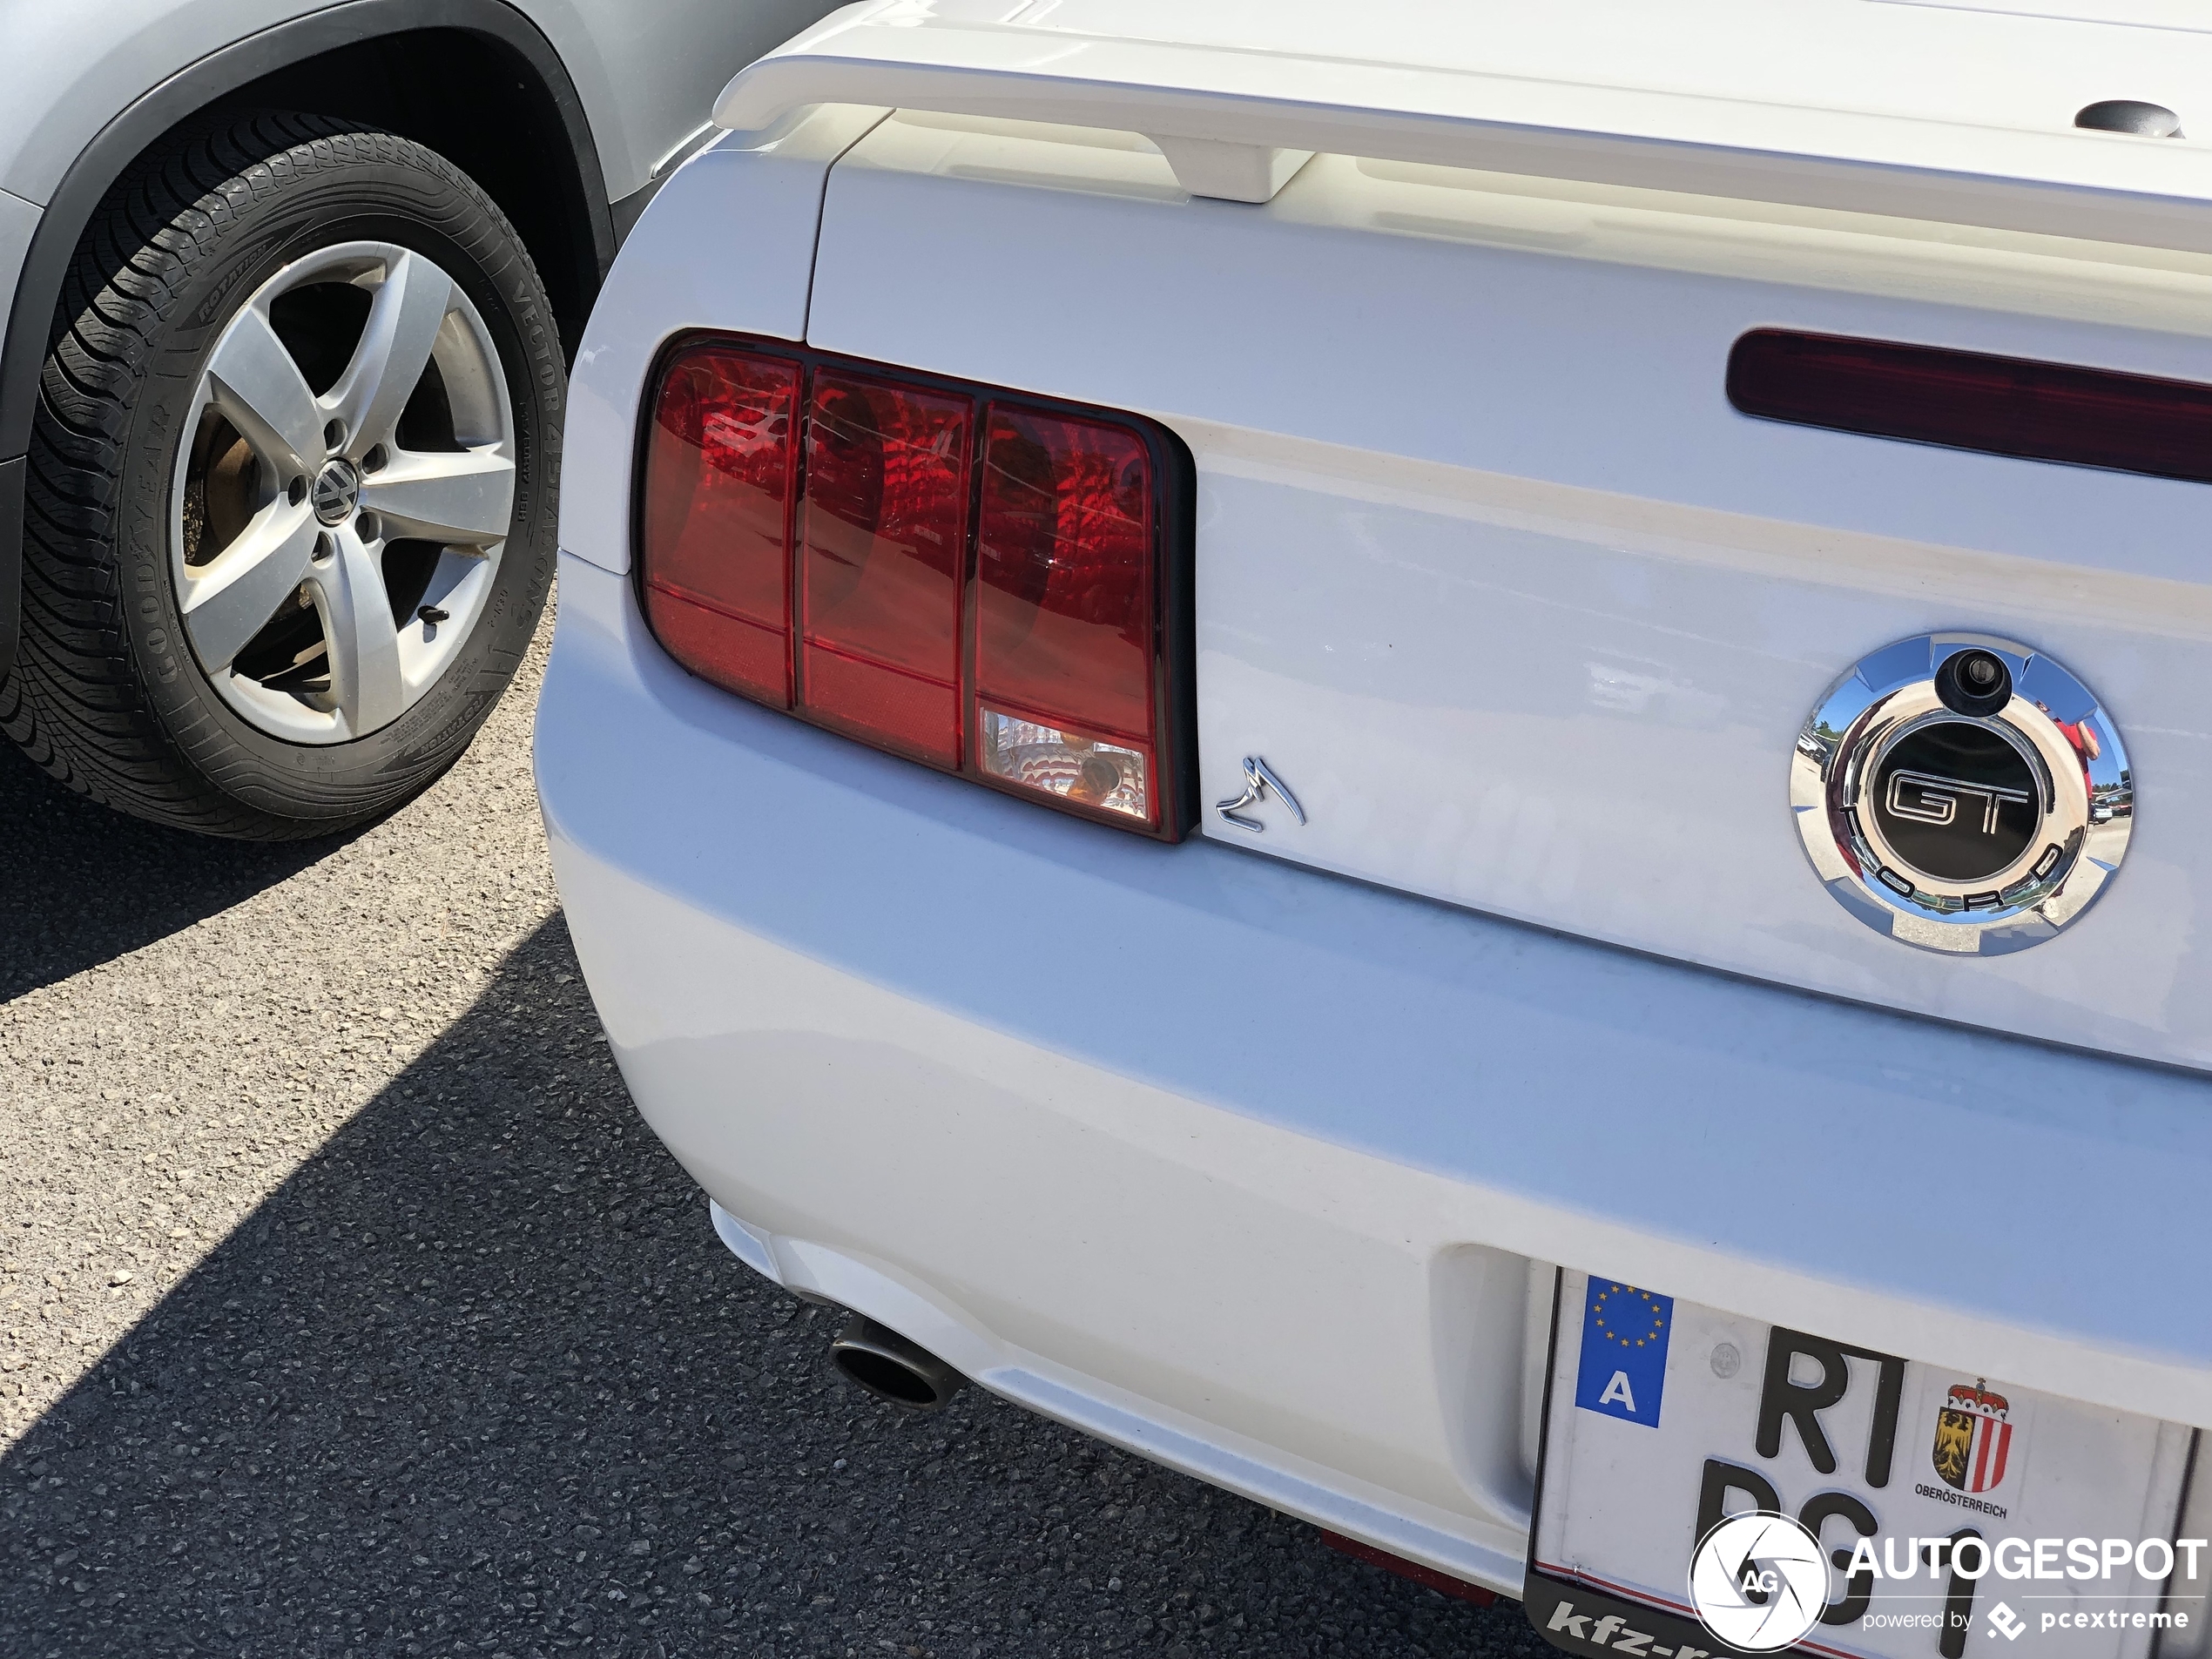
[(393, 196)]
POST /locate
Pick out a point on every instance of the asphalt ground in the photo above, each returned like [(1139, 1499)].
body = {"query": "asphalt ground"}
[(346, 1307)]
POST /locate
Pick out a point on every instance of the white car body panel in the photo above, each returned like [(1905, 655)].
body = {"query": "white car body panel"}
[(1273, 1185), (1628, 594), (1258, 1170), (694, 265), (1944, 115)]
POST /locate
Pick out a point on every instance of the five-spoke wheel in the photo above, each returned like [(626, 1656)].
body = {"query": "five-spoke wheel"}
[(291, 487), (338, 521)]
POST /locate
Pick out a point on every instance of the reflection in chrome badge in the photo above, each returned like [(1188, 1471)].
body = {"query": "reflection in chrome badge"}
[(1962, 794)]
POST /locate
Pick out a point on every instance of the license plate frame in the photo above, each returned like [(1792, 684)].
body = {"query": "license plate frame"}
[(1588, 1447)]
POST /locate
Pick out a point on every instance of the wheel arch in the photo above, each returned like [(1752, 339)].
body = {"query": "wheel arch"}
[(346, 60)]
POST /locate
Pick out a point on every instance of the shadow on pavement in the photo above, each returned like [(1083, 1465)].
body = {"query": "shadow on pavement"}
[(80, 885), (479, 1379)]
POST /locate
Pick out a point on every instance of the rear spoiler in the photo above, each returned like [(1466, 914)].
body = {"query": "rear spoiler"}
[(1237, 125)]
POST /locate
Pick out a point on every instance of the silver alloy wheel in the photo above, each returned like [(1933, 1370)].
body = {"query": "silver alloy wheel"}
[(333, 544)]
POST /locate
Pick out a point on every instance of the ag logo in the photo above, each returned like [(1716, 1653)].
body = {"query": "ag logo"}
[(1758, 1582), (1974, 1437)]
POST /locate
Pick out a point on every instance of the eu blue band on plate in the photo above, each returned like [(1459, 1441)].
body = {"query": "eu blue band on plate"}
[(1623, 1370)]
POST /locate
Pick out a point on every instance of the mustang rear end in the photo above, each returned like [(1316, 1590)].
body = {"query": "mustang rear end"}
[(1397, 755)]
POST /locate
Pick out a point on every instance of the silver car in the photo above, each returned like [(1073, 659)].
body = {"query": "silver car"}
[(294, 290)]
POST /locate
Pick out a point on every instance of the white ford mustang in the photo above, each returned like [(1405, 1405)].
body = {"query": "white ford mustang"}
[(1393, 751)]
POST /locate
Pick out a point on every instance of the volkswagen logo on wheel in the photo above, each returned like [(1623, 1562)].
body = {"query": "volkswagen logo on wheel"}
[(1963, 793), (337, 490), (1758, 1582)]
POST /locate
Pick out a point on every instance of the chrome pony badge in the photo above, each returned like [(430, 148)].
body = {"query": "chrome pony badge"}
[(1962, 794), (1259, 779)]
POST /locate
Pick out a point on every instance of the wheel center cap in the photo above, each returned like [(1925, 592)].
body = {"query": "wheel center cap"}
[(337, 492)]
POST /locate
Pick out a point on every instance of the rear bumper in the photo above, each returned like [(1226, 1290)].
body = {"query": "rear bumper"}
[(1259, 1171)]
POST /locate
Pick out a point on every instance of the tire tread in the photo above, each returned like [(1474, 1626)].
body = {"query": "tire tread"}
[(77, 704)]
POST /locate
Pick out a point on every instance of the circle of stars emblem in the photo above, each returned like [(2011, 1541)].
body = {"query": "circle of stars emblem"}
[(1628, 1316)]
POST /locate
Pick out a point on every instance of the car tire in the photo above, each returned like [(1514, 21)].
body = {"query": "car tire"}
[(164, 505)]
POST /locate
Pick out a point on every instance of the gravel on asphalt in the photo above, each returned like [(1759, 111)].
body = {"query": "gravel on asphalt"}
[(347, 1307)]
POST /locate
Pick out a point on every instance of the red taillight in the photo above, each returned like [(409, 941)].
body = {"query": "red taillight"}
[(969, 578), (2005, 405), (720, 467), (1064, 651), (885, 548)]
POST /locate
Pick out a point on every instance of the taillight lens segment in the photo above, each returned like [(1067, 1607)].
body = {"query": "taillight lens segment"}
[(1064, 659), (883, 559), (966, 577), (720, 463)]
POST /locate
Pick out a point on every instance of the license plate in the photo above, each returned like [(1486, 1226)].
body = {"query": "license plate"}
[(1662, 1418)]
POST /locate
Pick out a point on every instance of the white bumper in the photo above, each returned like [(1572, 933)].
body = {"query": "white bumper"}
[(1259, 1171)]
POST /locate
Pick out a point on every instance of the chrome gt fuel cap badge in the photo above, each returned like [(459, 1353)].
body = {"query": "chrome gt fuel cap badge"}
[(1962, 794)]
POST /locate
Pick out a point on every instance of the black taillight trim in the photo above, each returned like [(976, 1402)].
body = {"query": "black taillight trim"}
[(2017, 407)]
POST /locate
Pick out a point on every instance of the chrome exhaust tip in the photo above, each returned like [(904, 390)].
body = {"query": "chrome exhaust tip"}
[(878, 1361)]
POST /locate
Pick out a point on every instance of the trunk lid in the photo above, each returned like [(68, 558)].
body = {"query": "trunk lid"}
[(1493, 575)]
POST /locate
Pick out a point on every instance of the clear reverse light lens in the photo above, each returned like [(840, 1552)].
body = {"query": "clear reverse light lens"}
[(1054, 761)]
